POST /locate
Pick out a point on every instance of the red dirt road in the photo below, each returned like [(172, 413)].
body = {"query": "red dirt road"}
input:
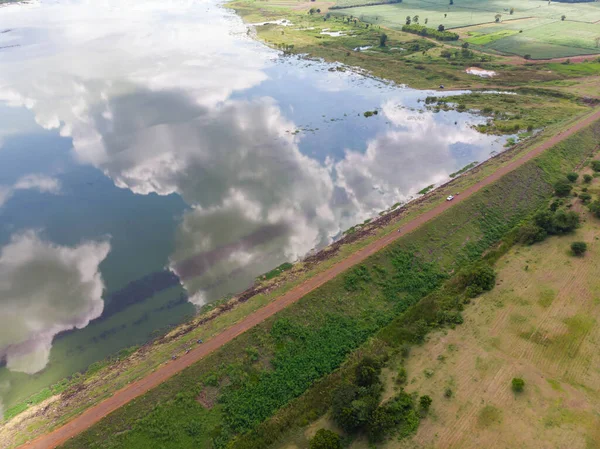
[(164, 372)]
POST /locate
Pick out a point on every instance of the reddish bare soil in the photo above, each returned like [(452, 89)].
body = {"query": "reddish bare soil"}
[(94, 414)]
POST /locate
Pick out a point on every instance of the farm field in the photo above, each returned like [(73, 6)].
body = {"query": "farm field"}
[(535, 28), (541, 323)]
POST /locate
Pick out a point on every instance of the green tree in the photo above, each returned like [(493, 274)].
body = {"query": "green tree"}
[(408, 20), (563, 17), (441, 28), (585, 197), (497, 17), (477, 279), (562, 187), (425, 403), (325, 439), (572, 176), (596, 166), (367, 372), (529, 234), (416, 19), (383, 39), (512, 11), (587, 178), (517, 384), (578, 248)]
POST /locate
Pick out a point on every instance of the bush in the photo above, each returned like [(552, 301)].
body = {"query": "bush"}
[(562, 187), (529, 234), (325, 439), (439, 34), (352, 407), (572, 177), (448, 393), (578, 248), (477, 279), (367, 372), (425, 403), (596, 166), (555, 223), (587, 178), (595, 208), (518, 384), (585, 197)]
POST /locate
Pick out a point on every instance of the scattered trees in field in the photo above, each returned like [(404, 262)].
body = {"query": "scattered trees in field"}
[(325, 439), (497, 18), (441, 28), (517, 384), (355, 406), (548, 222), (563, 17), (578, 248)]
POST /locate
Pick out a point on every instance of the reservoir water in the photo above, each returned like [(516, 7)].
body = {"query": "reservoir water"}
[(154, 157)]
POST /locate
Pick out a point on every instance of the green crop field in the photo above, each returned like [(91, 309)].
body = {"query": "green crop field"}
[(535, 27)]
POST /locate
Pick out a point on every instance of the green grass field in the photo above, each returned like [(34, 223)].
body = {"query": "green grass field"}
[(534, 28), (228, 398)]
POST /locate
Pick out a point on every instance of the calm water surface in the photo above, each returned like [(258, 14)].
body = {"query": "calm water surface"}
[(154, 158)]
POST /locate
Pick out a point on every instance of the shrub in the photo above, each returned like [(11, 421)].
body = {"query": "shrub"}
[(440, 34), (572, 176), (562, 187), (595, 208), (585, 197), (517, 384), (587, 178), (529, 234), (559, 222), (325, 439), (425, 403), (367, 372), (477, 279), (578, 248), (596, 166), (448, 393)]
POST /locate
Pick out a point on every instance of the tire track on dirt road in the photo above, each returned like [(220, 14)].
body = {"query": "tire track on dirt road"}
[(121, 397)]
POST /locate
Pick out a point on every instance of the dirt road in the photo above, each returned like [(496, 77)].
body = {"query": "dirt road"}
[(164, 372)]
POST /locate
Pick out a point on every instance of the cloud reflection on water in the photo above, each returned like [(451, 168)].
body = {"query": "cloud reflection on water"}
[(153, 95)]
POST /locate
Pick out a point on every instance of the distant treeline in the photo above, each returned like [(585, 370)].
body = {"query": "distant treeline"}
[(365, 4), (575, 1), (422, 30)]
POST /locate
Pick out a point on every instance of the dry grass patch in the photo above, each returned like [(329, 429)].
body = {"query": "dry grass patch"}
[(540, 323)]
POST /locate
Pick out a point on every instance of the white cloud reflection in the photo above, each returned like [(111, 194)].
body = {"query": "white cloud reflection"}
[(45, 289)]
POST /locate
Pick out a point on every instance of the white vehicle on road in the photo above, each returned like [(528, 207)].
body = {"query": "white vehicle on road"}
[(450, 198)]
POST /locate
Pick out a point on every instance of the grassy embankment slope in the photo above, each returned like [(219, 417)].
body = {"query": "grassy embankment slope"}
[(539, 324), (231, 398)]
